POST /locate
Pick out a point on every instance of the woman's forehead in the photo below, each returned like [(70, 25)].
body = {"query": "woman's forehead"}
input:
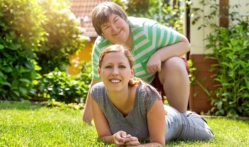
[(115, 56)]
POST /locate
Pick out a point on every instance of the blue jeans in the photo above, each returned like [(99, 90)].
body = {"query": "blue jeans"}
[(187, 126)]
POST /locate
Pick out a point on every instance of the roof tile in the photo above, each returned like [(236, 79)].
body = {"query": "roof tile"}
[(82, 10)]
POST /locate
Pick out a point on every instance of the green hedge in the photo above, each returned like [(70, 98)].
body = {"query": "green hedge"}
[(35, 37), (230, 47), (20, 35)]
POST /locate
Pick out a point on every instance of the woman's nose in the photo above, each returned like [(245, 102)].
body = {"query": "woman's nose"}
[(115, 71), (114, 28)]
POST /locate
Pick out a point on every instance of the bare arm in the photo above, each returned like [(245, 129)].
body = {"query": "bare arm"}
[(87, 113), (175, 50), (101, 123), (103, 129), (156, 125), (178, 49)]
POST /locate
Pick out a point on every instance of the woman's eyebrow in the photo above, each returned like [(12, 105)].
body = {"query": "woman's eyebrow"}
[(104, 25), (115, 17)]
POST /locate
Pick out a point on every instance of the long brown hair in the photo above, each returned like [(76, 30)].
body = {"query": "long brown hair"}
[(121, 48), (101, 13)]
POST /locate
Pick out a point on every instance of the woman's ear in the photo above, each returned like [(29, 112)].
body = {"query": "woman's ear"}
[(132, 72), (99, 72)]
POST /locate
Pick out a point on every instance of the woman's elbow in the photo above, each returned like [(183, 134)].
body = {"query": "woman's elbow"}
[(186, 43), (188, 46)]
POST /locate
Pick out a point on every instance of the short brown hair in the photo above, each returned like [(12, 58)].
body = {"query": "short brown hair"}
[(101, 13)]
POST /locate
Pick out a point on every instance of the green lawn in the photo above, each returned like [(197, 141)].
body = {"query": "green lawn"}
[(27, 125)]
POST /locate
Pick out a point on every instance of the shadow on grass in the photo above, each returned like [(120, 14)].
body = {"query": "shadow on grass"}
[(20, 105)]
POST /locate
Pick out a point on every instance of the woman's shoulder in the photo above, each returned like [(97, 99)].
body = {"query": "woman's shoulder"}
[(147, 91), (97, 88), (99, 85), (101, 42), (140, 22), (146, 96)]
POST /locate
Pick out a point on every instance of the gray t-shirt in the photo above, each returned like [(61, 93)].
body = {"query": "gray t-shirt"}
[(135, 123)]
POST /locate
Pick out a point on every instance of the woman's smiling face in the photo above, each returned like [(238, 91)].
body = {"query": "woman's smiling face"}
[(115, 71), (116, 30)]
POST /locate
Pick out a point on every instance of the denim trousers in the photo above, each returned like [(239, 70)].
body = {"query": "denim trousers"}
[(185, 126)]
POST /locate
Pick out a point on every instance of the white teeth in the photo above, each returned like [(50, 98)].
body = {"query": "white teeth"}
[(115, 81)]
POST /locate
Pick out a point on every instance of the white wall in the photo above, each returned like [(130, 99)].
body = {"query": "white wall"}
[(197, 36), (243, 8)]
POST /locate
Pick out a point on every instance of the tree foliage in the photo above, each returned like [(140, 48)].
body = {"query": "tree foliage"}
[(167, 12), (63, 36), (20, 35), (31, 33)]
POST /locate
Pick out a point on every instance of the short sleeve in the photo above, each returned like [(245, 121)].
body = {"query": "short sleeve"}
[(153, 95), (97, 92), (166, 36), (147, 96), (93, 91)]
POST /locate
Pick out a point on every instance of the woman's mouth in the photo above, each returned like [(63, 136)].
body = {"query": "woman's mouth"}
[(117, 33), (115, 81)]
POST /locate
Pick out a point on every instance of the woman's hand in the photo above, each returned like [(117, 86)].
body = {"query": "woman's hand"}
[(131, 141), (154, 64), (119, 138)]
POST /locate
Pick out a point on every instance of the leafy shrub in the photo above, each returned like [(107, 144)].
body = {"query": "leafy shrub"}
[(232, 70), (60, 86), (230, 48), (63, 36), (20, 34), (34, 34), (85, 76), (167, 12)]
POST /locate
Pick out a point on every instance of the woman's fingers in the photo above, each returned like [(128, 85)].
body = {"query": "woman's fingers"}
[(119, 138), (131, 141)]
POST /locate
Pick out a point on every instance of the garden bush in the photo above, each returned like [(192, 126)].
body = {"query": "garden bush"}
[(170, 13), (60, 86), (36, 37), (85, 76), (230, 46), (63, 37), (20, 35)]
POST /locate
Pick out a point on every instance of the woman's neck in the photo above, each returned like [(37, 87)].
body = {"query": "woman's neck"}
[(118, 97), (123, 100)]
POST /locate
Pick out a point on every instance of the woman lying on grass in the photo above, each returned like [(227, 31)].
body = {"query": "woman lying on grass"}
[(128, 111)]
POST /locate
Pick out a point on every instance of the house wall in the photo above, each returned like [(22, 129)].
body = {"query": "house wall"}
[(199, 100), (83, 55), (197, 36), (243, 9)]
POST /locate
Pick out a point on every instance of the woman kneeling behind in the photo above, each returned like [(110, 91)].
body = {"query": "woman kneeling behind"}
[(128, 111)]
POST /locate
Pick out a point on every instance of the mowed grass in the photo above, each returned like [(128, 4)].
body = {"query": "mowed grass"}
[(27, 125)]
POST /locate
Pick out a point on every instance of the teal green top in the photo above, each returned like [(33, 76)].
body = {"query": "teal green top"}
[(148, 37)]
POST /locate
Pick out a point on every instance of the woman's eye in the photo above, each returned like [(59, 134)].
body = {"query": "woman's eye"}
[(108, 67), (122, 66)]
